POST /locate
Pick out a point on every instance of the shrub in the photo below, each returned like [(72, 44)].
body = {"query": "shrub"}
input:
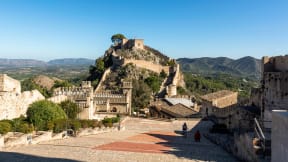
[(70, 108), (108, 122), (5, 127), (60, 125), (25, 128), (41, 112), (85, 123), (75, 125)]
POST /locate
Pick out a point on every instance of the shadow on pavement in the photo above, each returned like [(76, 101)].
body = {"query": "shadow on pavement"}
[(12, 156), (189, 149)]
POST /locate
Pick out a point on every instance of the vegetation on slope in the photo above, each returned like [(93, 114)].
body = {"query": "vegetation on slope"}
[(201, 84), (243, 67)]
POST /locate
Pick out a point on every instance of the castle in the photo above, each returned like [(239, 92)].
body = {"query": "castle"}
[(13, 103), (96, 104)]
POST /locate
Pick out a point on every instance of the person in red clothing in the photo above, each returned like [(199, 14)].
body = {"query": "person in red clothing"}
[(197, 136)]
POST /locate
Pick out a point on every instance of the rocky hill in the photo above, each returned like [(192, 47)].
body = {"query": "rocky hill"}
[(45, 81), (246, 66), (21, 63), (133, 61)]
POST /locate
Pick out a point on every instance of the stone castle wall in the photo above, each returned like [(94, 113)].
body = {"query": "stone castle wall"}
[(275, 64), (13, 105), (274, 89), (147, 65), (226, 100), (8, 84), (275, 93), (103, 78)]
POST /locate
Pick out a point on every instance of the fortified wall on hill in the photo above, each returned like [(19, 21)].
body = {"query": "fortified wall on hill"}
[(99, 102), (13, 103), (176, 78)]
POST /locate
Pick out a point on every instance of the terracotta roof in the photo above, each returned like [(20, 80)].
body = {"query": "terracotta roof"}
[(178, 110), (212, 96)]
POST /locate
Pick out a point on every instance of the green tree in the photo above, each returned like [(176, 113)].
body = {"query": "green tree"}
[(28, 85), (41, 112), (117, 38), (141, 94), (61, 84), (70, 108), (100, 65), (163, 74), (153, 82)]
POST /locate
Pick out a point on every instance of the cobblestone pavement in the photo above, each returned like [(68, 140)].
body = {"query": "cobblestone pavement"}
[(142, 141)]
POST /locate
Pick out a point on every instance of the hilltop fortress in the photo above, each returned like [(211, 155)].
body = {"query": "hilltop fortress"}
[(98, 102), (102, 102)]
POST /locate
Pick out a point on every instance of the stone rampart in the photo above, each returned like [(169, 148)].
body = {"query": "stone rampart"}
[(275, 64), (8, 84), (147, 65), (103, 78), (14, 105), (58, 99)]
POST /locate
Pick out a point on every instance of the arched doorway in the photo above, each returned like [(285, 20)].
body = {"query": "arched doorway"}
[(114, 109)]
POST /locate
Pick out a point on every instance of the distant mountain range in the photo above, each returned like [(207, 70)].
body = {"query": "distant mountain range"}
[(37, 63), (246, 66)]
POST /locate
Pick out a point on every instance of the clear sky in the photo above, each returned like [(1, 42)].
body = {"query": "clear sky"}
[(49, 29)]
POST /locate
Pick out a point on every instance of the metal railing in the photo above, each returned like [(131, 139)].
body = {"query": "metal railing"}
[(261, 135)]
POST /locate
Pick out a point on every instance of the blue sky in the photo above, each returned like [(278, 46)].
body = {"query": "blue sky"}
[(49, 29)]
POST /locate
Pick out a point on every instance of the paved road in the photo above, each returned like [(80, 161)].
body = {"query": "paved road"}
[(142, 141)]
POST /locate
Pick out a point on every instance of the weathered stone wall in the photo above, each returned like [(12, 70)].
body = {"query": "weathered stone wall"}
[(133, 43), (8, 84), (226, 100), (58, 99), (275, 64), (103, 78), (12, 105), (275, 92), (256, 97), (147, 65)]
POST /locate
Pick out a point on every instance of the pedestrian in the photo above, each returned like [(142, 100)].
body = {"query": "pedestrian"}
[(197, 136)]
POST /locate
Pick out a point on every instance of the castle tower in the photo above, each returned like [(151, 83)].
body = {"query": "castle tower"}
[(127, 89)]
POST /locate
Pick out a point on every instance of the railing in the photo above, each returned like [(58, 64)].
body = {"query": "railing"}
[(261, 135)]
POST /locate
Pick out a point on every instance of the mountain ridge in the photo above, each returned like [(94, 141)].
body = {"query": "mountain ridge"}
[(39, 63), (246, 66)]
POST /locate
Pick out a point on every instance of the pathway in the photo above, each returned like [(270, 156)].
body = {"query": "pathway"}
[(142, 141)]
